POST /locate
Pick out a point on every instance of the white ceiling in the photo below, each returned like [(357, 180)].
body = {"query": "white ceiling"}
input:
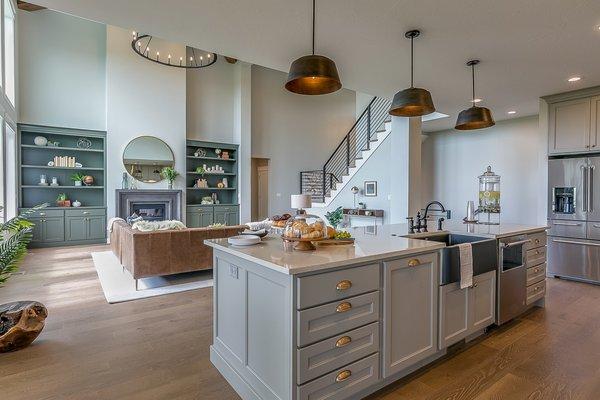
[(528, 48)]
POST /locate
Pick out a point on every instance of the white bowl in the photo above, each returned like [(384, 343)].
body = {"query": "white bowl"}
[(243, 240)]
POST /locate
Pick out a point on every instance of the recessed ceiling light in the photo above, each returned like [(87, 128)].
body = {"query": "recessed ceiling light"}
[(511, 112), (574, 79), (476, 100)]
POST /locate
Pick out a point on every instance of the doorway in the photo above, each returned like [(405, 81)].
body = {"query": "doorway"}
[(260, 188)]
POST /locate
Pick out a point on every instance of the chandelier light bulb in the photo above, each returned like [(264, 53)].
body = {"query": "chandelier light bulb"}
[(200, 58), (191, 58), (143, 49), (208, 56)]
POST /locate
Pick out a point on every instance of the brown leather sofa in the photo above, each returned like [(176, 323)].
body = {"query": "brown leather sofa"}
[(146, 254)]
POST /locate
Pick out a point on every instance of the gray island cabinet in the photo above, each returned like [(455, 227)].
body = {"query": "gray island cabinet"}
[(336, 323), (341, 322)]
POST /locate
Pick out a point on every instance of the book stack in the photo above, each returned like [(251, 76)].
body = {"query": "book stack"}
[(64, 161)]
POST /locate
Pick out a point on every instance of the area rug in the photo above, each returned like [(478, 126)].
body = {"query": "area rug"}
[(118, 285)]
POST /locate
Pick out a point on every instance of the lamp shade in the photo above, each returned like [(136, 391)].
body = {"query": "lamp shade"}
[(474, 118), (412, 102), (313, 75), (301, 201)]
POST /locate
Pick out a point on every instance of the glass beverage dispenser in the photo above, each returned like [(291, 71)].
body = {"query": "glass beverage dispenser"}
[(489, 197)]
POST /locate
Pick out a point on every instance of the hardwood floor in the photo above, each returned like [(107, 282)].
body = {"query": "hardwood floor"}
[(158, 348)]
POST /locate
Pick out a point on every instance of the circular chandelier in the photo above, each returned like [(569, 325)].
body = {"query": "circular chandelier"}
[(194, 58)]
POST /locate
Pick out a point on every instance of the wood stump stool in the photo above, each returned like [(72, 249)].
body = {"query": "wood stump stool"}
[(20, 323)]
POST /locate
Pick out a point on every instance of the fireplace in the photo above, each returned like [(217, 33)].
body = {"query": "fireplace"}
[(152, 205), (149, 211)]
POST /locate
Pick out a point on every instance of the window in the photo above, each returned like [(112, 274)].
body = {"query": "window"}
[(9, 51), (10, 169)]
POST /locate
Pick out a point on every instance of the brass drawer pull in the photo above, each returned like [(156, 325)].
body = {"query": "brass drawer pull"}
[(343, 307), (342, 376), (343, 341), (42, 214), (86, 212), (343, 285), (414, 262)]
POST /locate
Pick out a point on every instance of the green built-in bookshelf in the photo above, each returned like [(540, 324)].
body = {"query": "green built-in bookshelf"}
[(204, 154), (63, 225)]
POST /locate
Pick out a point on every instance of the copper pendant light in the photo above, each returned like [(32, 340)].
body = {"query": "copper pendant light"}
[(474, 117), (313, 74), (412, 102)]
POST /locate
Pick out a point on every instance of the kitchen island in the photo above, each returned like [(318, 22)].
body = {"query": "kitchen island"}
[(337, 322)]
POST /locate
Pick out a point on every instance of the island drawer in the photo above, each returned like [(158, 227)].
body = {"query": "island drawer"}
[(323, 357), (537, 240), (536, 274), (536, 292), (344, 382), (318, 323), (332, 286), (536, 256)]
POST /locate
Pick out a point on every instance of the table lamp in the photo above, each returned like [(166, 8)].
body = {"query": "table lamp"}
[(300, 202)]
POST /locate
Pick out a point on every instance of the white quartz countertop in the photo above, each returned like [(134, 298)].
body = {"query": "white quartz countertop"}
[(370, 245), (490, 231)]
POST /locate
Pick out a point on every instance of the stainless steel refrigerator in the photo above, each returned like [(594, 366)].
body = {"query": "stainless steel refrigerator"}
[(574, 218)]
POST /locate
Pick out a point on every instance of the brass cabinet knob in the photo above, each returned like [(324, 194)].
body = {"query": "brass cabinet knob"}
[(343, 341), (343, 285), (343, 307), (342, 376), (537, 240), (414, 262)]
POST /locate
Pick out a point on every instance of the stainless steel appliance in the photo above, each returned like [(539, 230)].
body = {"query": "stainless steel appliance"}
[(574, 218), (512, 278)]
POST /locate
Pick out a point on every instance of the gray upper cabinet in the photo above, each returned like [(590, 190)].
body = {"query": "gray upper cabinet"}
[(570, 126), (595, 118), (410, 311)]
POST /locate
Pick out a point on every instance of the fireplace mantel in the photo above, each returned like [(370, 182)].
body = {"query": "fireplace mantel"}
[(172, 199)]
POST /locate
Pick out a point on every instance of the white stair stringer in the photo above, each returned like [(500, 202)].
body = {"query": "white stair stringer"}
[(365, 154)]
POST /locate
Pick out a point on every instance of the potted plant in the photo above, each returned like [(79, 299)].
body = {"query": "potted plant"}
[(77, 178), (170, 174), (335, 217), (21, 321), (62, 200)]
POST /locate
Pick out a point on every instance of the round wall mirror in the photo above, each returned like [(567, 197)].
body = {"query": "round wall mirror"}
[(145, 157)]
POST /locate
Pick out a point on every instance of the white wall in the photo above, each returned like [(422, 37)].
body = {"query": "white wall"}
[(62, 70), (516, 150), (295, 132), (210, 102), (143, 98)]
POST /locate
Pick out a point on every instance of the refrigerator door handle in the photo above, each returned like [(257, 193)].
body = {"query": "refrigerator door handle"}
[(576, 242), (585, 187), (591, 169)]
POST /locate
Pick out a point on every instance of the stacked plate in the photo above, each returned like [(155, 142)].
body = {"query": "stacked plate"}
[(243, 240)]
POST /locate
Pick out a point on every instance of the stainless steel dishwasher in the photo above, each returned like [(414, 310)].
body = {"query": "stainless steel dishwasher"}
[(512, 278)]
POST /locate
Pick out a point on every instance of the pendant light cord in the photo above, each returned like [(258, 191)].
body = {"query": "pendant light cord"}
[(412, 61), (473, 79), (313, 29)]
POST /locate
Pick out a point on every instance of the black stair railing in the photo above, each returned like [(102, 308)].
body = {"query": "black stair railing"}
[(320, 183)]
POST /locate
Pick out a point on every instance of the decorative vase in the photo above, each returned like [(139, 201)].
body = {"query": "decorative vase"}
[(40, 141), (170, 186), (76, 203), (88, 180), (77, 183)]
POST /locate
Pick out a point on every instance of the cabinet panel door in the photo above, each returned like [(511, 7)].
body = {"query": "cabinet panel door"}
[(54, 229), (38, 230), (410, 309), (483, 301), (569, 126), (76, 228), (96, 227), (454, 314), (233, 218), (192, 220), (595, 120), (220, 217), (206, 219)]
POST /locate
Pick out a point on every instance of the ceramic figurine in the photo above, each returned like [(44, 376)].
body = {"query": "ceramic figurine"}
[(76, 203), (40, 141)]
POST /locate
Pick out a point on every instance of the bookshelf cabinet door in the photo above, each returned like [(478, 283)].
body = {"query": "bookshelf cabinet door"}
[(96, 227), (54, 229), (76, 228)]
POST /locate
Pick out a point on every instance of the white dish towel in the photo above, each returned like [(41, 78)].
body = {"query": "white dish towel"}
[(466, 265)]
